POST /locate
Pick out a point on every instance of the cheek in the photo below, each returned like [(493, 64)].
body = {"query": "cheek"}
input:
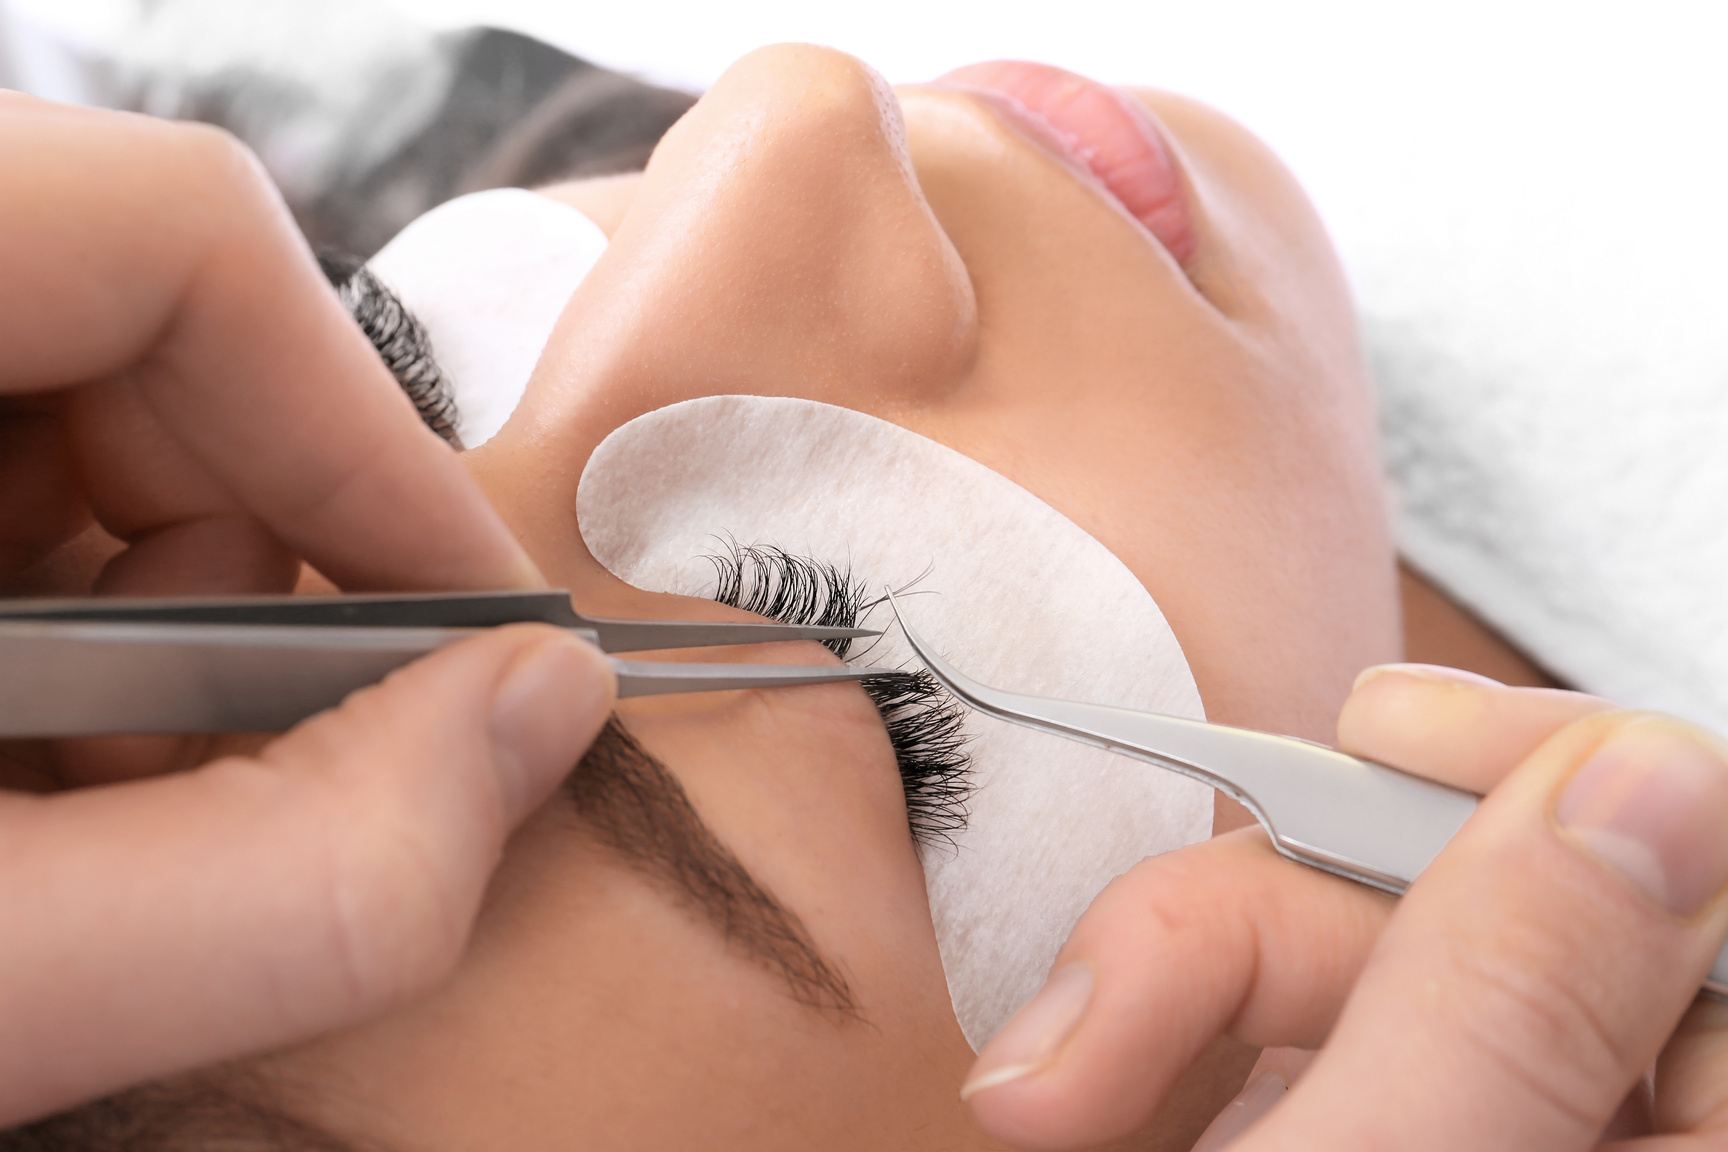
[(589, 1002)]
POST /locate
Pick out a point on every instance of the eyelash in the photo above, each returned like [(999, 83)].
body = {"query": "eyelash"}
[(925, 724), (401, 340)]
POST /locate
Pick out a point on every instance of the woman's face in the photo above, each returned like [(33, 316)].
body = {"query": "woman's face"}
[(1124, 304)]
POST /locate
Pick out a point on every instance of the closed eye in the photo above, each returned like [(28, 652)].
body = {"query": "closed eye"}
[(924, 723), (401, 340)]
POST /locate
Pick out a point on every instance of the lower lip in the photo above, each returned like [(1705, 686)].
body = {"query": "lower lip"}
[(1105, 131)]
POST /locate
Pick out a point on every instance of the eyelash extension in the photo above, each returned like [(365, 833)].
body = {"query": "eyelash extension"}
[(791, 589), (401, 340), (925, 724)]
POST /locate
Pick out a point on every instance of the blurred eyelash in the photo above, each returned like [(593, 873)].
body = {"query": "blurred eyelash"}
[(401, 340), (925, 724)]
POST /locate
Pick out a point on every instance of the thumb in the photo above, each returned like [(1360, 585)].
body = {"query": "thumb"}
[(160, 924), (1534, 971)]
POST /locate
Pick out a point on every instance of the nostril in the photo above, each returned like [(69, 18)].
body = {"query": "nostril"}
[(1105, 130)]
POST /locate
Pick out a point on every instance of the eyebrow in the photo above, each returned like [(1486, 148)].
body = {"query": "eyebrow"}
[(639, 811)]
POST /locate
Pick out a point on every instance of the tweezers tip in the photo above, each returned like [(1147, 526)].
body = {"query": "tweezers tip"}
[(894, 605)]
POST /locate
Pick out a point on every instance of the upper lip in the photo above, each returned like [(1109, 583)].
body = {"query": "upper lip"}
[(1098, 131)]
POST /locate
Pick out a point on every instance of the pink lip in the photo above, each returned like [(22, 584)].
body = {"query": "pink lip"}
[(1104, 130)]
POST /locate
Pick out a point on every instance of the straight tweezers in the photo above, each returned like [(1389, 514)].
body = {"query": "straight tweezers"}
[(420, 610), (243, 664)]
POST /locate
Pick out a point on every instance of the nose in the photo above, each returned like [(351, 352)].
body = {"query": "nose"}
[(779, 245)]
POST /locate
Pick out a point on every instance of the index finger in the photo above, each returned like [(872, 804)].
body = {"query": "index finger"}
[(161, 252), (1453, 726)]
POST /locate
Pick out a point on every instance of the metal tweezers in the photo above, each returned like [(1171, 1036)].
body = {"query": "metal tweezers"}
[(1353, 818), (90, 667)]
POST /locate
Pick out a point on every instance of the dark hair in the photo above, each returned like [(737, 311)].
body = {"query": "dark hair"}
[(401, 340), (926, 726), (517, 113), (230, 1111)]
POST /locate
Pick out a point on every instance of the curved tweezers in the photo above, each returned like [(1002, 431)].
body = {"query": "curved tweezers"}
[(1354, 818)]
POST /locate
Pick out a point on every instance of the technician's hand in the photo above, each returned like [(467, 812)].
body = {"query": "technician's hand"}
[(1514, 997), (176, 371)]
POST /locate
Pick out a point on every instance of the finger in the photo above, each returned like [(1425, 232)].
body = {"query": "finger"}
[(1453, 726), (71, 569), (1692, 1074), (1267, 1084), (1535, 969), (159, 253), (1264, 1091), (157, 925), (185, 532), (40, 504), (1224, 935)]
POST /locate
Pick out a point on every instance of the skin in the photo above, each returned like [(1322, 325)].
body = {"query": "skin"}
[(921, 256), (1437, 631)]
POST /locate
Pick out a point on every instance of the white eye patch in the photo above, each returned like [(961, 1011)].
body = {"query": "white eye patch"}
[(488, 275), (1020, 597)]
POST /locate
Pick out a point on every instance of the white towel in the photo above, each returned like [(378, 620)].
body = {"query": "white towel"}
[(1575, 496)]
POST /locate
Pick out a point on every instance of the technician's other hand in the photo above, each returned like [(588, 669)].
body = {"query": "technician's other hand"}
[(1513, 999), (185, 406)]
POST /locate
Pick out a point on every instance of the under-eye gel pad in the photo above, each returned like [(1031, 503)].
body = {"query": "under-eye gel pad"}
[(488, 275), (1009, 588)]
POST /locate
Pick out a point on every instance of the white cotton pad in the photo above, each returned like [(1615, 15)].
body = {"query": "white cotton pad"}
[(1020, 597), (488, 275)]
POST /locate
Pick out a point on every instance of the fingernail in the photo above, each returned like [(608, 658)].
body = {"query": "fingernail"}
[(548, 705), (1254, 1101), (1030, 1041), (1431, 672), (1652, 804)]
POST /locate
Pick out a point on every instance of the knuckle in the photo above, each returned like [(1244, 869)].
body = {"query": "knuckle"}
[(1173, 904), (394, 896), (1153, 896), (208, 154), (395, 918), (1166, 912), (1555, 1038), (396, 924), (215, 170)]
